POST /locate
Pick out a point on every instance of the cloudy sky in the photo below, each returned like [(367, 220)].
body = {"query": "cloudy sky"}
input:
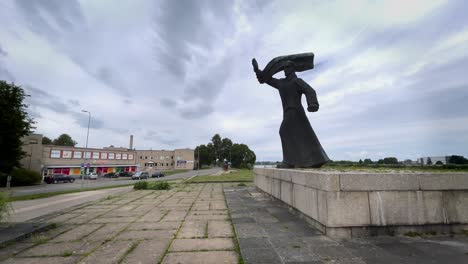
[(391, 76)]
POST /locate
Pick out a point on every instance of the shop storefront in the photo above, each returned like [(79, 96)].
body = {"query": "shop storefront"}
[(99, 169)]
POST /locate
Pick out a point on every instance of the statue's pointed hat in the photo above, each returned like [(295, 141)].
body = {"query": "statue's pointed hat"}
[(301, 62)]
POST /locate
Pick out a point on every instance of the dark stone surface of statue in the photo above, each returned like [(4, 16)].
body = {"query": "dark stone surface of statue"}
[(301, 147)]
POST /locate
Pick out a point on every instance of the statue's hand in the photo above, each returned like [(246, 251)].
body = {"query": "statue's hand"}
[(260, 76), (313, 108)]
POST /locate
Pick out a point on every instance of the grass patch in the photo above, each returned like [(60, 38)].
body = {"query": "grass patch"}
[(39, 238), (5, 206), (238, 176), (241, 184), (158, 185), (50, 194), (167, 173), (140, 185), (67, 254), (412, 234)]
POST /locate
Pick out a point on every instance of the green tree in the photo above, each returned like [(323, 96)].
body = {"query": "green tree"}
[(226, 148), (206, 156), (216, 141), (360, 161), (390, 160), (368, 161), (439, 163), (64, 140), (242, 156), (46, 141), (454, 159), (429, 161), (14, 124)]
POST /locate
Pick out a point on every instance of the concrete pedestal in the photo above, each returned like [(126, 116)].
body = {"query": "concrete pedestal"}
[(349, 204)]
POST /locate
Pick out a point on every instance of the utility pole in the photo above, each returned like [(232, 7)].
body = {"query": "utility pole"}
[(86, 148), (198, 163)]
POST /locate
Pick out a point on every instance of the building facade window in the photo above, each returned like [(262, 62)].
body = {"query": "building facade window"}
[(55, 153), (95, 155), (104, 155), (130, 156), (124, 156), (111, 155), (118, 156), (67, 154), (77, 154), (88, 155), (161, 157)]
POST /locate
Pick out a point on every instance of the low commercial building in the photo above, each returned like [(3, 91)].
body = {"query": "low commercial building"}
[(433, 160), (161, 160), (48, 159)]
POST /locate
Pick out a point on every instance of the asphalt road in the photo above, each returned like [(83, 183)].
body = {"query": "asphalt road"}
[(43, 188)]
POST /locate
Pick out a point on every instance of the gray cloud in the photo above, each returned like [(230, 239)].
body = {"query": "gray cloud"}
[(3, 53), (50, 17), (108, 76), (40, 98), (168, 103), (182, 24), (176, 72)]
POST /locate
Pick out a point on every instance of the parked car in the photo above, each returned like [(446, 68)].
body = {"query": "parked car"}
[(125, 174), (91, 176), (56, 178), (140, 175), (111, 175), (157, 174)]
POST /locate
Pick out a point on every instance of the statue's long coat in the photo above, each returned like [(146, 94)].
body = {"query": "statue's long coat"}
[(301, 147)]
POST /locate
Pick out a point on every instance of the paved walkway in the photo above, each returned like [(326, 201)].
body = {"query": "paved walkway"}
[(268, 233), (188, 224), (191, 224), (29, 209)]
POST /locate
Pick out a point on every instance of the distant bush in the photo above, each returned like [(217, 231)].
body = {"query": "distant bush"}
[(21, 177), (5, 206), (144, 185), (140, 185), (160, 185)]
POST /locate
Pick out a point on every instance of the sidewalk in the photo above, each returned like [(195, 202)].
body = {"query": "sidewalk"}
[(192, 224)]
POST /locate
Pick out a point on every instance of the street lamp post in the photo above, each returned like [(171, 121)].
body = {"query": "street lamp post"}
[(198, 163), (86, 147)]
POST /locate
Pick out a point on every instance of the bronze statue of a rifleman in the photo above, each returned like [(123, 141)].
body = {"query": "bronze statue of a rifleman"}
[(301, 147)]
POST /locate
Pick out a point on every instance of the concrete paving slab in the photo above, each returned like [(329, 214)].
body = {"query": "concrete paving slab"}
[(199, 244), (53, 249), (193, 229), (48, 260), (204, 257), (111, 252), (147, 251), (219, 229), (145, 234)]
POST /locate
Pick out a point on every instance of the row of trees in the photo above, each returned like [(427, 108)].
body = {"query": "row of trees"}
[(223, 149), (62, 140)]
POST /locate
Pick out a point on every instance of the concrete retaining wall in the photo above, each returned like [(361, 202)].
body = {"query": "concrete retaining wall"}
[(345, 204)]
